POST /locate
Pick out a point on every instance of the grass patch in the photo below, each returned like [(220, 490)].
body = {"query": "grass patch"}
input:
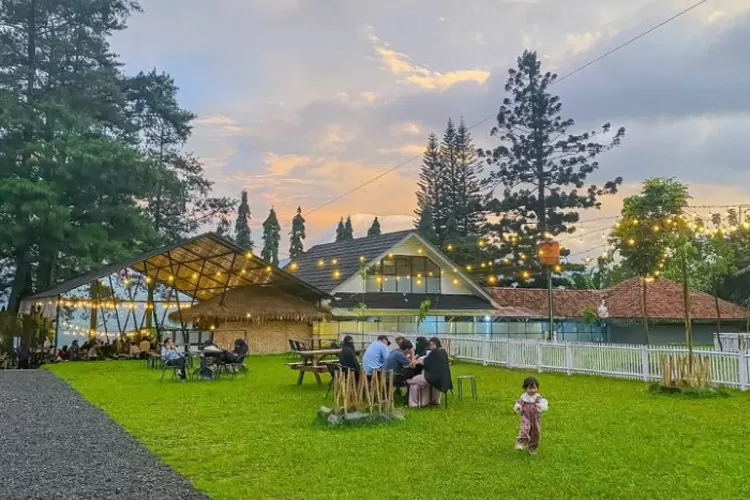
[(258, 438), (690, 392)]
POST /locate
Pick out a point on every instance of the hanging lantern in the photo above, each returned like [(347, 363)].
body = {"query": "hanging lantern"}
[(549, 253)]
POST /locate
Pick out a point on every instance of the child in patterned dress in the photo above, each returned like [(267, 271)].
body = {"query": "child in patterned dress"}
[(530, 406)]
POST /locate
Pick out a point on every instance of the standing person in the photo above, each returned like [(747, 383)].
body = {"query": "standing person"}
[(375, 355), (530, 406), (173, 357)]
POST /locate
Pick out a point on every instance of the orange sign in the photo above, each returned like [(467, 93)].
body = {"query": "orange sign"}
[(549, 253)]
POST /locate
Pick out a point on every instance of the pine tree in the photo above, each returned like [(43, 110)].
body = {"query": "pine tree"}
[(374, 228), (348, 229), (271, 238), (541, 164), (242, 233), (340, 231), (429, 194), (447, 182), (426, 226), (467, 204), (297, 235)]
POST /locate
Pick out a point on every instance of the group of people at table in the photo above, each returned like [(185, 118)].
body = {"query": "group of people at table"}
[(423, 369)]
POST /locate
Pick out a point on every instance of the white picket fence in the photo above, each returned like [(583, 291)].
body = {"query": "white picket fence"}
[(636, 362), (732, 342)]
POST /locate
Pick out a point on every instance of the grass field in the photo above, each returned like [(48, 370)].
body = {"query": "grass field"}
[(257, 438)]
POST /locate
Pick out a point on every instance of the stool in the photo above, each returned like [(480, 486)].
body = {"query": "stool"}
[(473, 383)]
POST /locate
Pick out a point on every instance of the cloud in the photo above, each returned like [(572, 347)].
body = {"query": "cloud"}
[(309, 104), (399, 63)]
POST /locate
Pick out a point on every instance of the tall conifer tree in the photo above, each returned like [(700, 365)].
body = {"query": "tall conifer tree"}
[(271, 238), (297, 235), (374, 228), (242, 234)]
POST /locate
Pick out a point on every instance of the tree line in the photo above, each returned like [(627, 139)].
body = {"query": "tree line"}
[(92, 161), (534, 187)]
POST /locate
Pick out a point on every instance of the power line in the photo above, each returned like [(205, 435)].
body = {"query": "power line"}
[(485, 119)]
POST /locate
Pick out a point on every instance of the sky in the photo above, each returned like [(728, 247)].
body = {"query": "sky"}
[(300, 101)]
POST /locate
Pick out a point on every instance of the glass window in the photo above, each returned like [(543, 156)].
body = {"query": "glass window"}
[(373, 283), (405, 274), (418, 284), (389, 283), (403, 267), (432, 284), (389, 267)]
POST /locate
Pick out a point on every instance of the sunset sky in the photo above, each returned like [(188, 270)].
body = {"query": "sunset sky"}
[(299, 101)]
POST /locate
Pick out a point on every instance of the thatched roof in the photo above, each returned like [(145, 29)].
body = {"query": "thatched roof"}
[(253, 303)]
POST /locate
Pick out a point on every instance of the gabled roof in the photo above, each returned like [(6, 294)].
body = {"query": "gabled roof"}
[(623, 301), (347, 256), (202, 267)]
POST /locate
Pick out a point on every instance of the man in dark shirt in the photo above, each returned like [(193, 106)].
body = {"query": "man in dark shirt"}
[(398, 360)]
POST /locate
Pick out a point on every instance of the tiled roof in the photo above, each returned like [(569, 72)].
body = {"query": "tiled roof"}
[(439, 302), (567, 303), (664, 301), (347, 255), (623, 301)]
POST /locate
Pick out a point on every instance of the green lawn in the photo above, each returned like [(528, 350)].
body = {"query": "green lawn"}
[(257, 438)]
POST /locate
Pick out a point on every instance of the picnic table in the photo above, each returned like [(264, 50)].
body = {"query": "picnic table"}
[(315, 362)]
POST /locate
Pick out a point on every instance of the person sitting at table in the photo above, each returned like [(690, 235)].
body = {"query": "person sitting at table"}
[(172, 357), (437, 370), (348, 356), (375, 355), (134, 351), (421, 348), (240, 348), (62, 354), (144, 346), (74, 353), (398, 361)]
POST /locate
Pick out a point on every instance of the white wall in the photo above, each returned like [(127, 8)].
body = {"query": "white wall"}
[(415, 247)]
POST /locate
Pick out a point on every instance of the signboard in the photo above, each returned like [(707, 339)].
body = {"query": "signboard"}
[(549, 253)]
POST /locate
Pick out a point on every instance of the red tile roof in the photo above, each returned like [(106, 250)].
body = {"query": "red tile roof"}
[(517, 312), (664, 301), (567, 303)]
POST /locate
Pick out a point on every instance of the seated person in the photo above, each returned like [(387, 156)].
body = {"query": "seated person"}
[(398, 361), (348, 356), (172, 357), (375, 355), (421, 348), (135, 351), (144, 346), (74, 353), (428, 386), (62, 355)]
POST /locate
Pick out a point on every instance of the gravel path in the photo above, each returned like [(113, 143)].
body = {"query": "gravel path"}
[(55, 445)]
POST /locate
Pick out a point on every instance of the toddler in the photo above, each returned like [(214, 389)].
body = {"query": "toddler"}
[(530, 406)]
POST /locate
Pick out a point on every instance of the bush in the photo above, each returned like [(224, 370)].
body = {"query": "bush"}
[(690, 392)]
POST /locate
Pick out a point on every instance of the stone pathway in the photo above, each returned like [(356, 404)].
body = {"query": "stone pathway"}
[(56, 445)]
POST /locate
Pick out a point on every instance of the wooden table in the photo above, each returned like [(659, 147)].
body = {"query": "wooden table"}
[(314, 362)]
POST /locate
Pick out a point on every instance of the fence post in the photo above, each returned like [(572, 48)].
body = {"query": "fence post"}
[(539, 357), (568, 358), (742, 360), (485, 352), (644, 362)]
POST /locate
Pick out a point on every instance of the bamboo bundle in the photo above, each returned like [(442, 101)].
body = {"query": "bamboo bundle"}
[(350, 395), (682, 371)]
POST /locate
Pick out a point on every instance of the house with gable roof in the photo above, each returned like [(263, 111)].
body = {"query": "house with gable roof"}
[(380, 283)]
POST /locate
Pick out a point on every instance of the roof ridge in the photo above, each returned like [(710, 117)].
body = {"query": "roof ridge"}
[(361, 238)]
